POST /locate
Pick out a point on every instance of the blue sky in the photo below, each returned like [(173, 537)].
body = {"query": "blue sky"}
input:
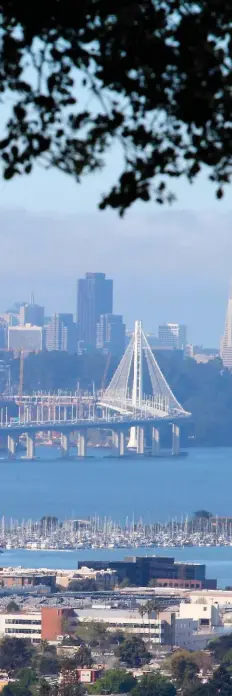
[(168, 263)]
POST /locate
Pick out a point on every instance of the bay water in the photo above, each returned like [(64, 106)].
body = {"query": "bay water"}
[(154, 489)]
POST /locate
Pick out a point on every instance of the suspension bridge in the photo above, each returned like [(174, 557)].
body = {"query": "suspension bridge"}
[(122, 407)]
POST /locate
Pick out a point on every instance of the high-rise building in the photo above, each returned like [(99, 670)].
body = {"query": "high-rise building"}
[(94, 297), (173, 336), (226, 342), (3, 334), (31, 314), (61, 333), (111, 334), (28, 339)]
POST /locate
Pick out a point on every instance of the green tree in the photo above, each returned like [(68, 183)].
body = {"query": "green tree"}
[(45, 660), (94, 633), (114, 681), (220, 646), (47, 665), (27, 677), (116, 637), (156, 79), (12, 607), (133, 652), (227, 660), (83, 657), (45, 688), (16, 689), (154, 685), (15, 653), (184, 669), (76, 689)]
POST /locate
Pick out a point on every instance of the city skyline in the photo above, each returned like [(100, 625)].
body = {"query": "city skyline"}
[(26, 308), (165, 267)]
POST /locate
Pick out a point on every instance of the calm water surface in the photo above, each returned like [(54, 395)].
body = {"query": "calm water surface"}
[(153, 489), (156, 489)]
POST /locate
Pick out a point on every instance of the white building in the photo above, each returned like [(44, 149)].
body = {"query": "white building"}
[(28, 339), (173, 336), (226, 342), (156, 629), (21, 625), (196, 624), (204, 614)]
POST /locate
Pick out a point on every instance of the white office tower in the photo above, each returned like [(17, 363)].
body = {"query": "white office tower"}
[(226, 342), (173, 336)]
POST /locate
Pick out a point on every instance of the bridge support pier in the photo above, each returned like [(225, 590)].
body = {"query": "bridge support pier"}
[(155, 442), (175, 439), (11, 446), (121, 443), (30, 446), (140, 440), (82, 444), (115, 439), (133, 439), (64, 444)]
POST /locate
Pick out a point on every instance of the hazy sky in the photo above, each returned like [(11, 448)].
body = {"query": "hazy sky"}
[(168, 264)]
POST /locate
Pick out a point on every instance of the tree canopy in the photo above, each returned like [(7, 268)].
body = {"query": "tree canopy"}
[(133, 652), (154, 685), (15, 653), (153, 76), (114, 681), (12, 607)]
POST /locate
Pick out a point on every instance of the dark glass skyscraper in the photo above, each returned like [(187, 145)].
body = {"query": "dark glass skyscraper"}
[(94, 297)]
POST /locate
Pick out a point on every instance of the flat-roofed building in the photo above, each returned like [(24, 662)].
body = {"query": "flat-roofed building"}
[(158, 630), (21, 625), (28, 339)]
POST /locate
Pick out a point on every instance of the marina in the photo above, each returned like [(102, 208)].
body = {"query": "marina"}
[(49, 533)]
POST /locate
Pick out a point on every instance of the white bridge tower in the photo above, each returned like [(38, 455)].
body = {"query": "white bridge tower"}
[(125, 393)]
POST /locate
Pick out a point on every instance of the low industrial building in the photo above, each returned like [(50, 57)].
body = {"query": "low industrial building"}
[(104, 579), (18, 577)]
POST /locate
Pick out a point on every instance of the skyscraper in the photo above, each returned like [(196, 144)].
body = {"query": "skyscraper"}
[(94, 297), (31, 314), (173, 336), (61, 333), (226, 342), (111, 334)]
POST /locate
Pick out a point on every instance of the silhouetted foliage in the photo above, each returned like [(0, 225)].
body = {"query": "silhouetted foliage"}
[(114, 681), (133, 652), (12, 607), (15, 653), (219, 647), (153, 76), (154, 685), (184, 668)]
